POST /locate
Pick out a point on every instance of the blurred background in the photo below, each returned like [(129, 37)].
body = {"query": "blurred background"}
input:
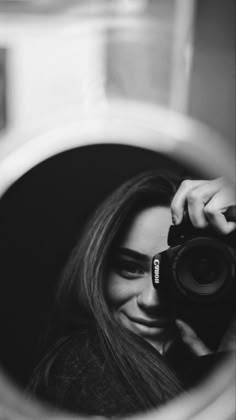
[(62, 62), (58, 55)]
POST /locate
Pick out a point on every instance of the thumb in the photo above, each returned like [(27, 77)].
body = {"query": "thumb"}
[(191, 339)]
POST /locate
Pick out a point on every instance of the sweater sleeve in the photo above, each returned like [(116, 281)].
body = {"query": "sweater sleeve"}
[(81, 382)]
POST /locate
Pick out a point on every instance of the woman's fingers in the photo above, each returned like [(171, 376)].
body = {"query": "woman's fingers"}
[(215, 209), (206, 202), (191, 339), (179, 201)]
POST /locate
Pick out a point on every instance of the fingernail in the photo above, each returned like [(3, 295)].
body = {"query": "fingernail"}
[(179, 323)]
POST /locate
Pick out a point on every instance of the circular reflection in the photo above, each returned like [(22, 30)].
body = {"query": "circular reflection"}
[(164, 142)]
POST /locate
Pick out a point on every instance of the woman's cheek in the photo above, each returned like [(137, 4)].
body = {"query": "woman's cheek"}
[(119, 289)]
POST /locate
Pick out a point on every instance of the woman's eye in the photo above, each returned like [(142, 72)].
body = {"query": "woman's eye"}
[(129, 269)]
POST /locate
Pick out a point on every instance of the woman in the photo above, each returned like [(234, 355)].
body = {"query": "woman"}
[(113, 358)]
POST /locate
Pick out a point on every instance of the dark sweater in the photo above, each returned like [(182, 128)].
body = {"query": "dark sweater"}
[(81, 381)]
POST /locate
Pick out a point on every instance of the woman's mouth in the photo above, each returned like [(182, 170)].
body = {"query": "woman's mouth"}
[(152, 323)]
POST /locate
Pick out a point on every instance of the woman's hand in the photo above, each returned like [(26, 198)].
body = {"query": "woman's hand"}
[(191, 339), (206, 202), (228, 341)]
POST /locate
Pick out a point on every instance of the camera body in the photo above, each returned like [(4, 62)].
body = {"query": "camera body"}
[(200, 265)]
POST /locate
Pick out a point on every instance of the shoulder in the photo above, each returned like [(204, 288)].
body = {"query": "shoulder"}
[(75, 353), (73, 359), (77, 377)]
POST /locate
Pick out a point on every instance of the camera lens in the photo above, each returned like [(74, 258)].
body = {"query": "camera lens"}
[(205, 265), (203, 268)]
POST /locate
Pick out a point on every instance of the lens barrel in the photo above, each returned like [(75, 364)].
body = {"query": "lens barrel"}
[(203, 268)]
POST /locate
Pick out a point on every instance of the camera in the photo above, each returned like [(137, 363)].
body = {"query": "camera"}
[(200, 263)]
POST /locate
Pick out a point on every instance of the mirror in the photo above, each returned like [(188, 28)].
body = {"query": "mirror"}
[(126, 77), (53, 199)]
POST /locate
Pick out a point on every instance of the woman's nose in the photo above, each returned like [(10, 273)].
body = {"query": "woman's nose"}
[(148, 297)]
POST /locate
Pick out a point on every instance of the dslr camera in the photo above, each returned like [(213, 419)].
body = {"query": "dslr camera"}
[(199, 265)]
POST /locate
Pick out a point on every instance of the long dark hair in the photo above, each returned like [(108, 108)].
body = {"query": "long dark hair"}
[(81, 296)]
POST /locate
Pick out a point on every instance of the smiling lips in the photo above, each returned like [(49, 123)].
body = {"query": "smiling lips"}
[(152, 323)]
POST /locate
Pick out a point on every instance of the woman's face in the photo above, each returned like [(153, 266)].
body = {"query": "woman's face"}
[(131, 295)]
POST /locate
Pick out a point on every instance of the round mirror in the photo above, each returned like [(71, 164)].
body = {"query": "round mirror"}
[(92, 95), (48, 194)]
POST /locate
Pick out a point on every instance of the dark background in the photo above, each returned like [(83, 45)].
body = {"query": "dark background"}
[(41, 217)]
